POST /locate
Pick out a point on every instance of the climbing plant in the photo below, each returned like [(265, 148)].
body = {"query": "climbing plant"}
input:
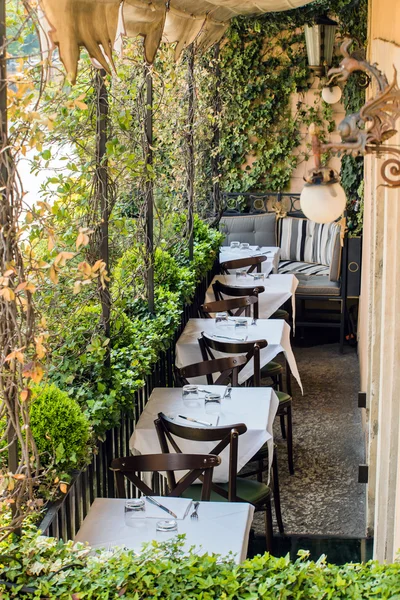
[(263, 63)]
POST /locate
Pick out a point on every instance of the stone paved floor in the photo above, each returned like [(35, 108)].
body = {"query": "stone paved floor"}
[(323, 496)]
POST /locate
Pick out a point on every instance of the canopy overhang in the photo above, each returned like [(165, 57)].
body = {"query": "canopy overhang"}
[(98, 25)]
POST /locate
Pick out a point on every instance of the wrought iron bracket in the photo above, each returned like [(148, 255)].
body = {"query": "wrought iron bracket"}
[(366, 131)]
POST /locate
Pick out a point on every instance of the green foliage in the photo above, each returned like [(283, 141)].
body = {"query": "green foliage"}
[(137, 337), (59, 428), (164, 571)]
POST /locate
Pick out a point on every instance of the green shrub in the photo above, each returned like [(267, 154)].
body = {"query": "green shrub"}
[(60, 429), (162, 571)]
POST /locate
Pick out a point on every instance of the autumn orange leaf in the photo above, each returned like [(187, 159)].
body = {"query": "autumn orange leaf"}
[(33, 371), (62, 257), (8, 294), (53, 275), (64, 488), (24, 395)]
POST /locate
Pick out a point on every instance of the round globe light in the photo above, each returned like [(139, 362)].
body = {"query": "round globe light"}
[(331, 95), (323, 203)]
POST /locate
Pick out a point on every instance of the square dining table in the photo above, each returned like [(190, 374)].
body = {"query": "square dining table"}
[(255, 407), (222, 527), (275, 331), (272, 254), (278, 289)]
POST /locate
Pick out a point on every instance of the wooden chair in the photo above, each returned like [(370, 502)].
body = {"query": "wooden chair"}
[(237, 489), (254, 262), (220, 288), (233, 306), (227, 367), (252, 350), (197, 465)]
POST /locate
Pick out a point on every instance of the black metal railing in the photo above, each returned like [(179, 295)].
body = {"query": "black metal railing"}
[(237, 203), (64, 517)]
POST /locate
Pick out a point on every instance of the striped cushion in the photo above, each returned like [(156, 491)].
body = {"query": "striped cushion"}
[(303, 240), (293, 266)]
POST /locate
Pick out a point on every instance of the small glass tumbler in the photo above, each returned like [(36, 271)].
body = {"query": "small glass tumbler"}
[(259, 276), (234, 245), (190, 395), (212, 404), (241, 273), (241, 323), (167, 526), (135, 510), (244, 246), (221, 318)]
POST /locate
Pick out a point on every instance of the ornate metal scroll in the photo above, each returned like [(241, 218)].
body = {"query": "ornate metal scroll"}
[(366, 131)]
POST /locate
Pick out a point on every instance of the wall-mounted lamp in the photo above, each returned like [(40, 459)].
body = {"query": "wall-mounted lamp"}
[(320, 41), (323, 198)]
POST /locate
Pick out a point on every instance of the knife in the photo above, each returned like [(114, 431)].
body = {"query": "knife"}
[(196, 421), (225, 337), (187, 510), (152, 501)]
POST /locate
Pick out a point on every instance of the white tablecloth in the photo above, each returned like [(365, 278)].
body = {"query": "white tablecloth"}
[(275, 331), (278, 289), (271, 252), (222, 527), (256, 407)]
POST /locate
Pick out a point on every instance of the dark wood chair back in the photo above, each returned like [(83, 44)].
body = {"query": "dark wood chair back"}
[(254, 262), (221, 289), (226, 436), (252, 350), (233, 306), (227, 367), (197, 465)]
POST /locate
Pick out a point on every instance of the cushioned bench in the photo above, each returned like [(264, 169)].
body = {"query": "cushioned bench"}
[(308, 249)]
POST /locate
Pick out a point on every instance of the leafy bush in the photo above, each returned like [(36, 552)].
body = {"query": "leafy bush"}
[(59, 428), (163, 571), (137, 337)]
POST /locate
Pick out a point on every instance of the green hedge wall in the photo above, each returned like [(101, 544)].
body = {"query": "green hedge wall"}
[(162, 571)]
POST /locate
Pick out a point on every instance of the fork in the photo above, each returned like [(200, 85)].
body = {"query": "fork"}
[(194, 514)]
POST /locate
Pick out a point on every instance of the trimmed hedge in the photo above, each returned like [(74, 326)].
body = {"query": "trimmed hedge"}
[(163, 571)]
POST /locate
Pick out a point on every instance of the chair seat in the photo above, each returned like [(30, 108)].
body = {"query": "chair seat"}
[(283, 397), (316, 285), (280, 314), (296, 267), (271, 370), (247, 490)]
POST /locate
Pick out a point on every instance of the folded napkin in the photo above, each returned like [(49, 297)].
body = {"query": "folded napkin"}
[(178, 505)]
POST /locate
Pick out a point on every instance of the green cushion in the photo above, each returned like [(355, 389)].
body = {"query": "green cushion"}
[(271, 369), (246, 489), (283, 397), (280, 314)]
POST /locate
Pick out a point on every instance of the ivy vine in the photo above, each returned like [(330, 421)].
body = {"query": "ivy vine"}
[(263, 63)]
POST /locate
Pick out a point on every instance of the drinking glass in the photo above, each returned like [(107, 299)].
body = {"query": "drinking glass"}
[(241, 323), (135, 512), (259, 276), (241, 273), (212, 404), (244, 246), (190, 395), (234, 245), (166, 526), (221, 318)]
